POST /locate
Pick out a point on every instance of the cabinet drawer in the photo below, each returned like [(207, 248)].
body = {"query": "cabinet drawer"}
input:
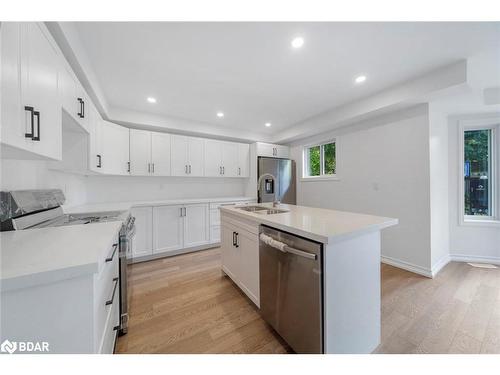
[(109, 334), (215, 233), (105, 284)]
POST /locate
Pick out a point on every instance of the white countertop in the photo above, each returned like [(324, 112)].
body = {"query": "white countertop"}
[(38, 256), (318, 224), (124, 206)]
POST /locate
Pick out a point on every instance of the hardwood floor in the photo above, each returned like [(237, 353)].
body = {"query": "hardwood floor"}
[(184, 304)]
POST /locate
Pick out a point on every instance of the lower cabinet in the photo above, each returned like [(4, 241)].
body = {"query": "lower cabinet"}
[(240, 255), (142, 244), (168, 228), (163, 229)]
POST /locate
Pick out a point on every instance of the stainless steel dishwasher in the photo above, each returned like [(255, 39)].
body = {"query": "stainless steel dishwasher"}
[(291, 288)]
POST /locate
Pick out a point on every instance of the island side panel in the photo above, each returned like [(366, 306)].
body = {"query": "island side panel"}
[(352, 294)]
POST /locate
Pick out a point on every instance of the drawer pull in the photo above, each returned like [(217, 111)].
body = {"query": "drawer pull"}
[(110, 259), (110, 302)]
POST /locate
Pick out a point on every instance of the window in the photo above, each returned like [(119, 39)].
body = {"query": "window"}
[(320, 160), (479, 176)]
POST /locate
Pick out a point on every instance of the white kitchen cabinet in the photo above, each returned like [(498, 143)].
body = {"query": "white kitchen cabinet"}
[(243, 160), (272, 150), (115, 149), (149, 153), (222, 159), (187, 156), (140, 152), (32, 119), (73, 97), (240, 255), (142, 243), (196, 225), (95, 140), (168, 228), (160, 154)]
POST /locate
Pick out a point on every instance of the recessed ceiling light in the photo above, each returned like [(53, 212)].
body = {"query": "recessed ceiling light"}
[(360, 79), (151, 100), (220, 114), (297, 42), (268, 124)]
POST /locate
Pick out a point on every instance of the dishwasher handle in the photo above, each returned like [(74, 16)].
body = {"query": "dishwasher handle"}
[(285, 248)]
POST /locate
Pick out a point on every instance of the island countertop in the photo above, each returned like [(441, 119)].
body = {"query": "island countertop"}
[(319, 224)]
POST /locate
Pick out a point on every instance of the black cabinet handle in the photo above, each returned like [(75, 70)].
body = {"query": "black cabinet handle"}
[(128, 166), (80, 114), (110, 259), (30, 109), (234, 238), (37, 115), (83, 108), (237, 240), (99, 161), (110, 301)]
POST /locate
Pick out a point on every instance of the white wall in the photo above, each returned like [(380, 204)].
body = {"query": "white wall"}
[(383, 170), (127, 188), (29, 174), (438, 158)]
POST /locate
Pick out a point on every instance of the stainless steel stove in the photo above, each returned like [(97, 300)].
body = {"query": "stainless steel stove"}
[(29, 209)]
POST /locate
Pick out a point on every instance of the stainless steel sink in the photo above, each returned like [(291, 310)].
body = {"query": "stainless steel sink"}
[(262, 210), (252, 208)]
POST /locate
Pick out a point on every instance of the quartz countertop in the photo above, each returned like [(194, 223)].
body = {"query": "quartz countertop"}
[(319, 224), (33, 257), (125, 206)]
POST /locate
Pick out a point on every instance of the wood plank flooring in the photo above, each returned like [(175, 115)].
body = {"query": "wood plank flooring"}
[(184, 304)]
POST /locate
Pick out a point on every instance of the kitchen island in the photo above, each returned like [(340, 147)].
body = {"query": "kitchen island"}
[(349, 276)]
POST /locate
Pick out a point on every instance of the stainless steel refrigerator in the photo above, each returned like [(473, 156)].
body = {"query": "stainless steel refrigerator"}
[(283, 188)]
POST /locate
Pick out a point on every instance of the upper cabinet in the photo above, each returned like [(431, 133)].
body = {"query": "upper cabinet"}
[(187, 155), (31, 110), (272, 150), (115, 149), (226, 159), (149, 153)]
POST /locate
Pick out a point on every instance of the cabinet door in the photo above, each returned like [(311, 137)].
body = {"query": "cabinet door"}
[(229, 253), (230, 159), (248, 246), (95, 141), (167, 228), (143, 239), (196, 147), (160, 154), (140, 152), (39, 70), (115, 148), (243, 159), (265, 149), (179, 155), (196, 225), (213, 158), (282, 151), (15, 121), (67, 93)]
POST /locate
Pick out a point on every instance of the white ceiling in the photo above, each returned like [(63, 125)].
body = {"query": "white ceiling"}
[(250, 72)]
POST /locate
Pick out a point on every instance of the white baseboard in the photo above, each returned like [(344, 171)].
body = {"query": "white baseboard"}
[(474, 259), (439, 265), (407, 266)]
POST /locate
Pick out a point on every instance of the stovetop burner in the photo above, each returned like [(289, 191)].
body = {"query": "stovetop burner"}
[(83, 218)]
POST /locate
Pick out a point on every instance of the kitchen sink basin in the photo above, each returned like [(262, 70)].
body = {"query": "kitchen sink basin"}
[(252, 208), (262, 210)]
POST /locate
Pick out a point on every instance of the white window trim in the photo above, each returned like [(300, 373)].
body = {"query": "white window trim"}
[(321, 177), (470, 220)]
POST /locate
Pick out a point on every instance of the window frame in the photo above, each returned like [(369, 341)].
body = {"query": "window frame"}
[(305, 161), (494, 163)]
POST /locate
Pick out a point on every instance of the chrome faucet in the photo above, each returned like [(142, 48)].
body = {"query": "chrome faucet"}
[(275, 201)]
